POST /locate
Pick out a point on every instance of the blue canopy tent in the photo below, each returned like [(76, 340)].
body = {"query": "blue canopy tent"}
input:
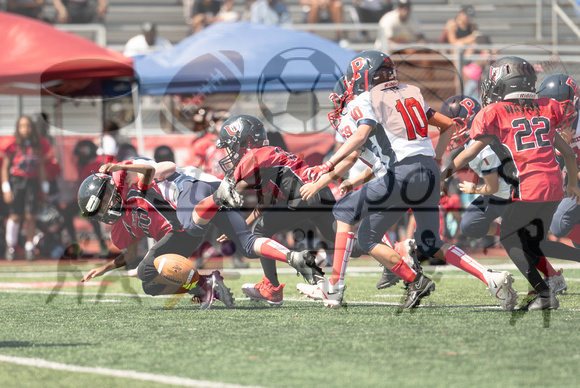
[(243, 57)]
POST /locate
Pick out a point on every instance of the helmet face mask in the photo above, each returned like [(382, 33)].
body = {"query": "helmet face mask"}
[(370, 68), (510, 78), (462, 109), (238, 134), (99, 199), (340, 98)]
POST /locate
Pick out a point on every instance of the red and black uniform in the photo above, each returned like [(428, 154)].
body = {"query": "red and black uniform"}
[(524, 142), (273, 169), (23, 174)]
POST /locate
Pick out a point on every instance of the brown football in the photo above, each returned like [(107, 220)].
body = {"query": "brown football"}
[(175, 270)]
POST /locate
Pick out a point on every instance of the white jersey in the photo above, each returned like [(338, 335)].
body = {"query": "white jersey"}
[(404, 116), (377, 150), (346, 128), (487, 162)]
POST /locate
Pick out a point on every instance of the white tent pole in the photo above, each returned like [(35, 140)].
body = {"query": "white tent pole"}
[(138, 119)]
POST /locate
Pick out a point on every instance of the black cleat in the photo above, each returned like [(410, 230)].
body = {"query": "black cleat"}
[(417, 290), (388, 279)]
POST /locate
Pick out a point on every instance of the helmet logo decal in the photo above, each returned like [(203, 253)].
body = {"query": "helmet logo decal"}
[(495, 73), (234, 128), (468, 104), (356, 65), (570, 82)]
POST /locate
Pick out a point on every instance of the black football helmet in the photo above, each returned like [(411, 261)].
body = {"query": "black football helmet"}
[(462, 109), (510, 78), (370, 68), (339, 98), (238, 134), (99, 199), (562, 87)]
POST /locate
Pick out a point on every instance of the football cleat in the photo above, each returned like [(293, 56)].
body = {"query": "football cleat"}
[(388, 279), (321, 292), (556, 283), (304, 263), (421, 287), (543, 303), (499, 285), (265, 291), (215, 289)]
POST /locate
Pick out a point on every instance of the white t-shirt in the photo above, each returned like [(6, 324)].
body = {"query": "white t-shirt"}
[(396, 30), (403, 113), (137, 45)]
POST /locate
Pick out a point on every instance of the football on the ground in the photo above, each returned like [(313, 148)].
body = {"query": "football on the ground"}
[(176, 270)]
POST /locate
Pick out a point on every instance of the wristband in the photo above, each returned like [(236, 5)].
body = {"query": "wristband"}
[(6, 187), (330, 165), (45, 187)]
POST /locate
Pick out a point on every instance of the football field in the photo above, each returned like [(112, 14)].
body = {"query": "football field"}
[(107, 333)]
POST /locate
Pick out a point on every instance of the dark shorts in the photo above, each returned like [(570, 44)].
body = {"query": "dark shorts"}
[(481, 213), (25, 191)]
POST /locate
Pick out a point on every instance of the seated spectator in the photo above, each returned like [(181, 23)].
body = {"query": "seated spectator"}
[(399, 27), (146, 42), (80, 11), (320, 11), (206, 12), (270, 12), (30, 8), (371, 11), (460, 30)]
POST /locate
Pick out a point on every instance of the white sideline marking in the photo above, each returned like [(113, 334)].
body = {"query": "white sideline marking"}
[(172, 380)]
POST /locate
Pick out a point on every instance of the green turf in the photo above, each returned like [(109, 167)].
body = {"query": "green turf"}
[(459, 337)]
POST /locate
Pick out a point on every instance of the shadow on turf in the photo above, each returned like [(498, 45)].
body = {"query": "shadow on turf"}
[(25, 344)]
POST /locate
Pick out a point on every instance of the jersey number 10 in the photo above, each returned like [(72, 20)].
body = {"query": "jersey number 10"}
[(414, 117)]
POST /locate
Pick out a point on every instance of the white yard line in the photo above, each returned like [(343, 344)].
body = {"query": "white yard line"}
[(129, 374)]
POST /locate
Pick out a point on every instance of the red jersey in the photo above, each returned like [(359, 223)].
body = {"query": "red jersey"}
[(272, 165), (200, 150), (147, 214), (25, 162), (525, 145)]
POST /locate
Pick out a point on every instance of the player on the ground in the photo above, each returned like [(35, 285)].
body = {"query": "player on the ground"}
[(177, 202), (411, 182), (562, 87), (521, 129), (494, 194)]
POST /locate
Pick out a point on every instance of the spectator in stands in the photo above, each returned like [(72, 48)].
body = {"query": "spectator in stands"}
[(270, 12), (471, 80), (80, 11), (399, 27), (206, 12), (324, 11), (23, 178), (163, 153), (371, 11), (127, 151), (461, 30), (30, 8), (146, 42)]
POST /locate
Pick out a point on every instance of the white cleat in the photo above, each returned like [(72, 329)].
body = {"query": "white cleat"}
[(321, 292), (499, 285), (557, 282)]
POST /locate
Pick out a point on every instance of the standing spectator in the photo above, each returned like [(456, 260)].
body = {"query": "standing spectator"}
[(80, 11), (461, 30), (323, 11), (399, 27), (109, 148), (30, 8), (206, 12), (471, 80), (270, 12), (23, 177), (146, 42)]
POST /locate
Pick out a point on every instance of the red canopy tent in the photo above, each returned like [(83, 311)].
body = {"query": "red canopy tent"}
[(36, 56)]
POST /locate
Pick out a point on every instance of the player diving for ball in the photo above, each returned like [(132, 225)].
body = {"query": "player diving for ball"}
[(141, 198)]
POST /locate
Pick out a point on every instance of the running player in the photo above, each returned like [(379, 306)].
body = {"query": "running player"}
[(411, 182), (521, 129)]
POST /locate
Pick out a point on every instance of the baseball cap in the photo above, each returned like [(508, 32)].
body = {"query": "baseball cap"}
[(468, 10), (404, 3)]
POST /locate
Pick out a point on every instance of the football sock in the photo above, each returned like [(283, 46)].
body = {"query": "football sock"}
[(342, 249), (272, 250), (545, 267), (463, 261), (402, 270), (206, 208), (12, 228), (29, 246)]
